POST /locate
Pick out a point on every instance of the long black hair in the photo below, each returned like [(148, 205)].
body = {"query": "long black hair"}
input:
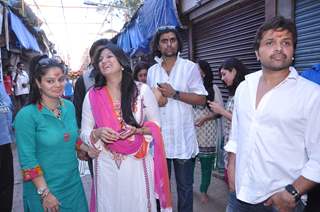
[(140, 66), (207, 79), (129, 91), (241, 71), (39, 67)]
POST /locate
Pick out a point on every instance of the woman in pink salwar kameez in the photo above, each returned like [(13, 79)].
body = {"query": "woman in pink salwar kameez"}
[(121, 118)]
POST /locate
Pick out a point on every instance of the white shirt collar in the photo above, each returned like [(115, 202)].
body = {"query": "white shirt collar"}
[(160, 59)]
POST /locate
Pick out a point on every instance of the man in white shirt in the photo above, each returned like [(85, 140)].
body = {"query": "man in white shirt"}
[(275, 141), (21, 85), (178, 85)]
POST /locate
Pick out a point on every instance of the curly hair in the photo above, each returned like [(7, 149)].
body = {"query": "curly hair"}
[(156, 39)]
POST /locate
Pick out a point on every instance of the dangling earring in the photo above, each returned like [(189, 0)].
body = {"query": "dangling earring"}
[(292, 58), (122, 68)]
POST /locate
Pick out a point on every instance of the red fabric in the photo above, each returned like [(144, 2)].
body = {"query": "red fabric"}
[(8, 84), (30, 174)]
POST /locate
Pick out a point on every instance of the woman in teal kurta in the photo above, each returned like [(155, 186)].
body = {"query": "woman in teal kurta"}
[(46, 135)]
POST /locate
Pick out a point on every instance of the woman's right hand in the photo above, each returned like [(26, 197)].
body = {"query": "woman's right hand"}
[(216, 108), (50, 203), (106, 134)]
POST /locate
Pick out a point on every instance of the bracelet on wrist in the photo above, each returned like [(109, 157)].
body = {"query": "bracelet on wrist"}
[(45, 194)]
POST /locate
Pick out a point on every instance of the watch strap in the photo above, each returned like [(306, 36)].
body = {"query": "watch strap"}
[(176, 96), (294, 192)]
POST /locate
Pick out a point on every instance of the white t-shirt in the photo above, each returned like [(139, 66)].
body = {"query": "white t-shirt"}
[(22, 78)]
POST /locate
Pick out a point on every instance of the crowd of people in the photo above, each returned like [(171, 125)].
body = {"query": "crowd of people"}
[(135, 128)]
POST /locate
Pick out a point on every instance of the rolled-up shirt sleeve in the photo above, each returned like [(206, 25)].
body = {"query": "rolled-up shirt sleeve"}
[(195, 83), (311, 169)]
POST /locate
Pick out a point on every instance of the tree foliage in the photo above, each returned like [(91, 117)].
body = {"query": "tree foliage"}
[(131, 5)]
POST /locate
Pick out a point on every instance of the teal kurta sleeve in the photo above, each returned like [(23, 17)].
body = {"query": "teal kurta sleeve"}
[(25, 131)]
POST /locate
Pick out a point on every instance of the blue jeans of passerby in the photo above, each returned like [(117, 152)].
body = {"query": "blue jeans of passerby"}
[(183, 170), (235, 205)]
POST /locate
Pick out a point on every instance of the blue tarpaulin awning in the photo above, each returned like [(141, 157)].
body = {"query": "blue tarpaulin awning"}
[(26, 39), (137, 34)]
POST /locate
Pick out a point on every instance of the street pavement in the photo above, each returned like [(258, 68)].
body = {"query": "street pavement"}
[(217, 191)]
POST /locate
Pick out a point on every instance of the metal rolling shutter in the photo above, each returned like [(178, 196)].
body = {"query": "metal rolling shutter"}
[(185, 45), (229, 34), (307, 18)]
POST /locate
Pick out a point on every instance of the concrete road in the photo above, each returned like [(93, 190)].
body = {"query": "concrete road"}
[(217, 191)]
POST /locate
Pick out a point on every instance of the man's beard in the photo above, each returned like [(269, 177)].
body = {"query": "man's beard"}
[(171, 54)]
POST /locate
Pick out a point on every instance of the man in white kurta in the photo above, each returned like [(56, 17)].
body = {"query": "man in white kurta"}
[(180, 83)]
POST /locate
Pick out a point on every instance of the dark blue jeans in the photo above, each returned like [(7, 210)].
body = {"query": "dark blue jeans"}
[(235, 205), (183, 170)]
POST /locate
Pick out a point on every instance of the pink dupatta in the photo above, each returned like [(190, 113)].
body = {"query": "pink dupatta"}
[(105, 116)]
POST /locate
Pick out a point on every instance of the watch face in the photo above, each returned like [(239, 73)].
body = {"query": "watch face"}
[(41, 190)]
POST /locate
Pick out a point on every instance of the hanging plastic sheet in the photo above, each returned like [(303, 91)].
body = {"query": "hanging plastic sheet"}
[(26, 39), (137, 34)]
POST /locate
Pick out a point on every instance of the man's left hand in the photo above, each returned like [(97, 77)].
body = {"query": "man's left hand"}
[(282, 200)]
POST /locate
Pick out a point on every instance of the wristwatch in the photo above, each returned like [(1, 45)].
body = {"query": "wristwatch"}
[(43, 192), (176, 96), (294, 192)]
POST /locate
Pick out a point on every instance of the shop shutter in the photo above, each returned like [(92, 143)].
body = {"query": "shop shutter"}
[(307, 18), (185, 45), (229, 33)]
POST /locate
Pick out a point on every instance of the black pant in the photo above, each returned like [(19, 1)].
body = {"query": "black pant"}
[(90, 164), (6, 178), (22, 100), (313, 203)]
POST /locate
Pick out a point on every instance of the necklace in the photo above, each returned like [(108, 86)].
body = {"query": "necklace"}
[(56, 110)]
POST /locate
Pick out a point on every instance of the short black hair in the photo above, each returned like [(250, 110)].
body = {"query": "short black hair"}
[(156, 38), (19, 64), (278, 23)]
